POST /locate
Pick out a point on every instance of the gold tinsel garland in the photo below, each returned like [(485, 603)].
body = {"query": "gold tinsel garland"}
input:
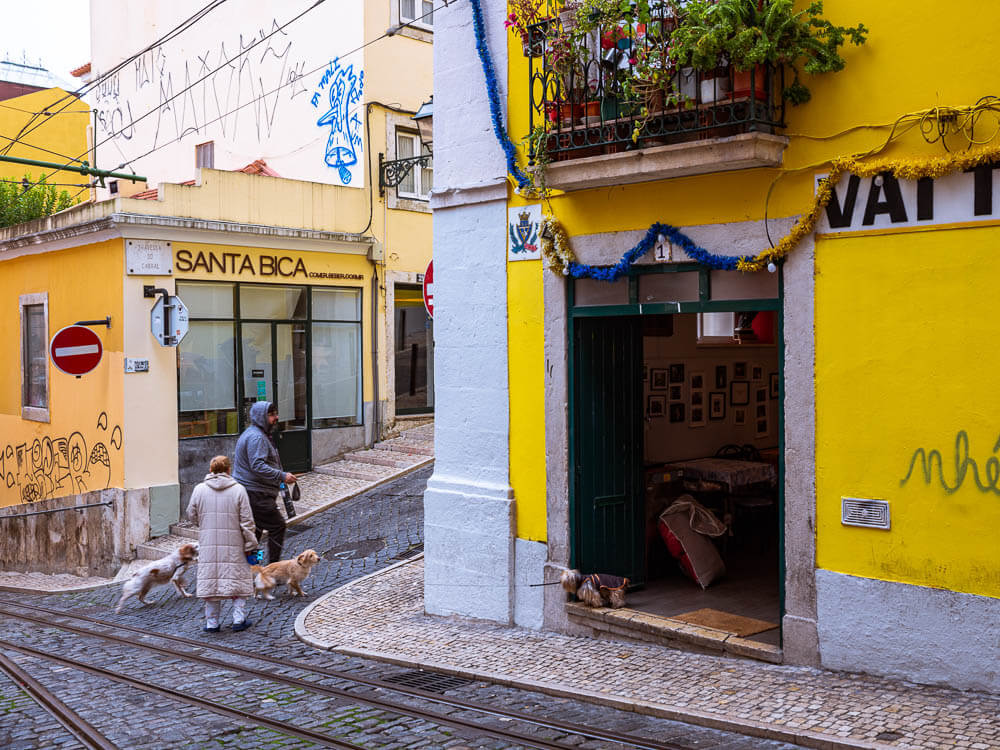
[(556, 248)]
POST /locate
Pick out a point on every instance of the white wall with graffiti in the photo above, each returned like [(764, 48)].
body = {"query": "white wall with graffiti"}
[(245, 76)]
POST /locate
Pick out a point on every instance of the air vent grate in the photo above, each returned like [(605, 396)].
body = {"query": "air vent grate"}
[(872, 514), (433, 682)]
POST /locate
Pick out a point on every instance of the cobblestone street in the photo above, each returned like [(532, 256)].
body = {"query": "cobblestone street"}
[(353, 538)]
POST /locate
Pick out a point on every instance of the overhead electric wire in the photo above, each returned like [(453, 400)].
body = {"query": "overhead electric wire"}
[(384, 35), (88, 87)]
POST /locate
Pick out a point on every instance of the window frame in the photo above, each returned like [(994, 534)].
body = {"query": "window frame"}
[(417, 171), (238, 320), (199, 149), (416, 23), (34, 413)]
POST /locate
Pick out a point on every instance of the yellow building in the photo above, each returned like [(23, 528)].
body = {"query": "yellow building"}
[(684, 307), (293, 224)]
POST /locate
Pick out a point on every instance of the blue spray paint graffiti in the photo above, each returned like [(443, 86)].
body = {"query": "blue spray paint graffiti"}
[(344, 88)]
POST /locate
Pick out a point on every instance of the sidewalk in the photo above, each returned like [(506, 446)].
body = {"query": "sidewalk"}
[(381, 617), (410, 447)]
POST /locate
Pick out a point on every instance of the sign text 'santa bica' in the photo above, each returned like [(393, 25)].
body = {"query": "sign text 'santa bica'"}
[(240, 263)]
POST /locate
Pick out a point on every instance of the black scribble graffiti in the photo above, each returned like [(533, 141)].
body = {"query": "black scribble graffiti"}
[(59, 466), (238, 93)]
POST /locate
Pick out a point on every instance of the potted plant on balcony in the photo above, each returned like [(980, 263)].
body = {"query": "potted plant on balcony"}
[(748, 33), (528, 20)]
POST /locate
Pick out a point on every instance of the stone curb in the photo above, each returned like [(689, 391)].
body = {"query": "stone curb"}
[(646, 708), (120, 576)]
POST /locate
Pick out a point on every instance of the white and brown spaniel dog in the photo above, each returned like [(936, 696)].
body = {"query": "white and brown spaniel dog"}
[(170, 569)]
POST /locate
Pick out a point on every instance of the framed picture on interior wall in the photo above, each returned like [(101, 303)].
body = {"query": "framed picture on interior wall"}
[(721, 376), (757, 373), (697, 416), (674, 394), (658, 379), (717, 405), (656, 406), (760, 395), (774, 385), (761, 411), (676, 413), (697, 398), (761, 428), (739, 416), (739, 393), (697, 381), (645, 374), (677, 373), (739, 370)]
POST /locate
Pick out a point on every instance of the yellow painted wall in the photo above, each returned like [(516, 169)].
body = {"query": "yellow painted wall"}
[(527, 396), (313, 262), (903, 363), (64, 133), (908, 64), (80, 449)]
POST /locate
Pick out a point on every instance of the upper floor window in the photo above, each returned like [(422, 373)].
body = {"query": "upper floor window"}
[(419, 181), (417, 11), (204, 155), (34, 356)]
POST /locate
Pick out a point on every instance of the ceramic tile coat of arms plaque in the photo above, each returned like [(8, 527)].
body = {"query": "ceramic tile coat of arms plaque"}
[(523, 226)]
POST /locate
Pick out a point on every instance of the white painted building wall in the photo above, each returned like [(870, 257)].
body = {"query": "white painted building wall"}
[(292, 97)]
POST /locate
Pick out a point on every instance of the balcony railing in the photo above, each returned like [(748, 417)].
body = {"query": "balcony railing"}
[(617, 90)]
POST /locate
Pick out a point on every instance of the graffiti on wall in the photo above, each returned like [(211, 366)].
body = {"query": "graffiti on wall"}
[(965, 467), (343, 89), (241, 93), (66, 465)]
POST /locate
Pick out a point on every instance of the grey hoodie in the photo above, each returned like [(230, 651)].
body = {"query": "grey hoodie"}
[(256, 464)]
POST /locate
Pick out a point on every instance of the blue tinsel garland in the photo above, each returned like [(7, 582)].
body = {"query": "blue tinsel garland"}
[(696, 253), (494, 94)]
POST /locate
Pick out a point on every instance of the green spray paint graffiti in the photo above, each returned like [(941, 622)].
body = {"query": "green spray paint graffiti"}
[(964, 466)]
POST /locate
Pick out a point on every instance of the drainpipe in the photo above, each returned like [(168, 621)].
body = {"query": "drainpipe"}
[(377, 429)]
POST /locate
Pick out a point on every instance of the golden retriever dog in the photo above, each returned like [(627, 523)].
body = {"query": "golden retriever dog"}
[(170, 569), (292, 572)]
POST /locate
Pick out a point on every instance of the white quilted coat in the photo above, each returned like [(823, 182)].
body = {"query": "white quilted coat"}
[(221, 509)]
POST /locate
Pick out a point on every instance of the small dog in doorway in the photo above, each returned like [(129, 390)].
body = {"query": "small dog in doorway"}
[(170, 569), (597, 589)]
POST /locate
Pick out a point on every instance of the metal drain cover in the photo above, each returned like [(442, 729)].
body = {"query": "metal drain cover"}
[(355, 550), (433, 682), (412, 551)]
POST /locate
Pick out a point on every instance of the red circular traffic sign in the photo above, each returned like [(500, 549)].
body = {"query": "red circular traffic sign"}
[(429, 289), (75, 350)]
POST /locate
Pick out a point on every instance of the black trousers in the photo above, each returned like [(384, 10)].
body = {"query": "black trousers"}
[(267, 517)]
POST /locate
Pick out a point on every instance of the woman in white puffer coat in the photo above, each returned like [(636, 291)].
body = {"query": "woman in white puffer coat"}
[(221, 509)]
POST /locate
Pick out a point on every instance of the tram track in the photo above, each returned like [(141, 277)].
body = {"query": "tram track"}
[(43, 616), (84, 731)]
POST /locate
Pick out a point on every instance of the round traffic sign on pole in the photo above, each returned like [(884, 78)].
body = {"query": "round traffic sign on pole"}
[(429, 289), (75, 350)]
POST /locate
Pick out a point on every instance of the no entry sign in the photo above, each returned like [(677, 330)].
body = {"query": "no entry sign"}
[(429, 289), (75, 350)]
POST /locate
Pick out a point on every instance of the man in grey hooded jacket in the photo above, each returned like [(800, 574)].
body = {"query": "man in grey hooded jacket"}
[(257, 467)]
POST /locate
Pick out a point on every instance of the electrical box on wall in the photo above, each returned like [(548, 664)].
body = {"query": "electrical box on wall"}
[(872, 514)]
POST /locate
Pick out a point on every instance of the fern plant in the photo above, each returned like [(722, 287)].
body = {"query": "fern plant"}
[(744, 33)]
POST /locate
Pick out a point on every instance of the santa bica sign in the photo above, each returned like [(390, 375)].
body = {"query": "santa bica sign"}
[(234, 263)]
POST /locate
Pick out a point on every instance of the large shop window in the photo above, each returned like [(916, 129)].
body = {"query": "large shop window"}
[(248, 341)]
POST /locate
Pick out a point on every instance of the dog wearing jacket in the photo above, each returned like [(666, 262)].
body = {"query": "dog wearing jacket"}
[(597, 589), (170, 569)]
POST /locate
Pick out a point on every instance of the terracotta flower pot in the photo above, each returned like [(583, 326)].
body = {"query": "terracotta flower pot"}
[(743, 85)]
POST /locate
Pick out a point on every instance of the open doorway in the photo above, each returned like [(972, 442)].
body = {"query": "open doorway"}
[(680, 410), (711, 385)]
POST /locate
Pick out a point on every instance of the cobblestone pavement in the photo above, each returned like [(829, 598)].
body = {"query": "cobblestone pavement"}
[(355, 538), (806, 705)]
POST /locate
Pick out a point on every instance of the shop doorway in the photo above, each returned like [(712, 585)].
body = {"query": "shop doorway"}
[(414, 352), (667, 407), (275, 369)]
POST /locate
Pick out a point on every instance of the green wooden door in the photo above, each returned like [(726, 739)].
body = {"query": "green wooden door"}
[(606, 436)]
